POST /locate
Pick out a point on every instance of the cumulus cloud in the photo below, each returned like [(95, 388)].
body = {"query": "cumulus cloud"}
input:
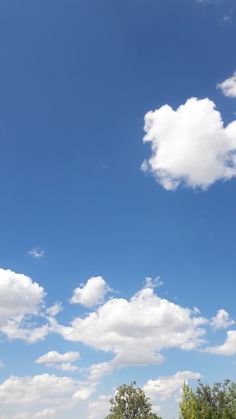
[(221, 320), (92, 293), (60, 361), (36, 253), (228, 348), (146, 321), (164, 388), (20, 299), (228, 86), (36, 390), (190, 145)]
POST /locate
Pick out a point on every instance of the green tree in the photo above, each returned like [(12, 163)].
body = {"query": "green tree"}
[(130, 402), (188, 405), (216, 402)]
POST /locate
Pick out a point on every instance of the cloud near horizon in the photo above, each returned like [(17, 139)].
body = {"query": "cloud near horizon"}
[(190, 146)]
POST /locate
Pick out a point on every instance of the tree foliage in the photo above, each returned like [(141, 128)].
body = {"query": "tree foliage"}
[(130, 402), (216, 402)]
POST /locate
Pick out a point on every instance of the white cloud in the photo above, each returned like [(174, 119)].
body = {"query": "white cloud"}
[(228, 348), (38, 390), (55, 309), (59, 361), (65, 366), (96, 371), (146, 321), (92, 293), (190, 146), (221, 320), (1, 364), (153, 282), (18, 295), (20, 299), (53, 357), (228, 86), (84, 393), (164, 388), (36, 253)]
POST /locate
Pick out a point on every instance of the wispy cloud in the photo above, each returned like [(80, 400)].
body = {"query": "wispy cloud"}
[(36, 252)]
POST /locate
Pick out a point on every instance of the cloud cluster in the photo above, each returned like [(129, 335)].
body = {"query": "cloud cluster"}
[(146, 321), (228, 86), (90, 294), (60, 361), (190, 145)]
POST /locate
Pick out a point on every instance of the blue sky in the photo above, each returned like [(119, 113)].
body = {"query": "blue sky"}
[(117, 182)]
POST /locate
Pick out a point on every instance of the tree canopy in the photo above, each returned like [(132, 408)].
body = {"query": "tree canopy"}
[(216, 402), (130, 402)]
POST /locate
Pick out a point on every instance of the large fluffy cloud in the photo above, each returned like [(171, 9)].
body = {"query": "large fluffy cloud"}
[(228, 86), (165, 388), (90, 294), (20, 298), (146, 321), (38, 389), (42, 395), (190, 145)]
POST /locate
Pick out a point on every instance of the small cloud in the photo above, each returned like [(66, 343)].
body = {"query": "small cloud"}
[(228, 87), (54, 309), (227, 18), (36, 253), (63, 362), (221, 320), (92, 293), (1, 364)]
